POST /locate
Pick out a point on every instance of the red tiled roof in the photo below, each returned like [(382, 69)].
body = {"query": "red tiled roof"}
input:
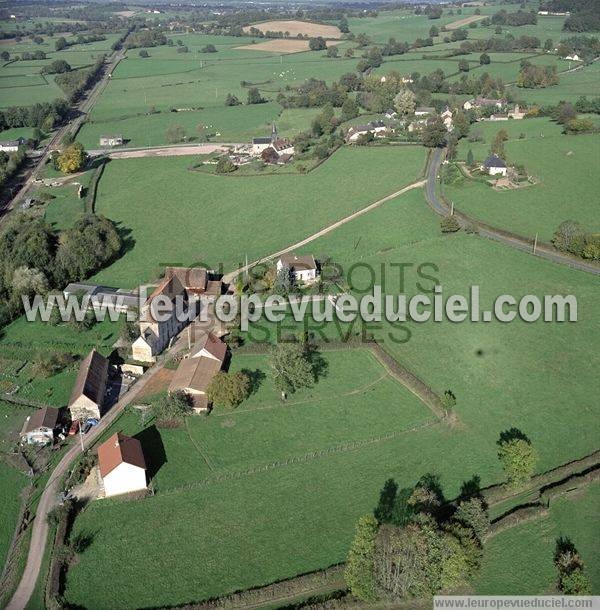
[(120, 449)]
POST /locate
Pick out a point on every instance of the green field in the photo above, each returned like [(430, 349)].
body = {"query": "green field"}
[(519, 560), (222, 215), (21, 82), (563, 166)]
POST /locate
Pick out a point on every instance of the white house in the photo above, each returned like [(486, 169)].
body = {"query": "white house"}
[(10, 146), (122, 465), (303, 268), (447, 119), (390, 113), (573, 57), (40, 427), (283, 146), (481, 102), (116, 140), (494, 166), (88, 392)]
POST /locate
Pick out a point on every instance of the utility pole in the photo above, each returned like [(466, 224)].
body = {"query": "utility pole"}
[(81, 434), (535, 243), (452, 209)]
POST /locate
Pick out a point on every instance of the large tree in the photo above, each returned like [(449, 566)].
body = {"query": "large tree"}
[(170, 410), (359, 572), (405, 102), (291, 366), (72, 159), (434, 133), (228, 389), (518, 458)]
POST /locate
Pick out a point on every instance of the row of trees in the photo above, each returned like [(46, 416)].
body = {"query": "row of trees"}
[(42, 115), (75, 82), (573, 238)]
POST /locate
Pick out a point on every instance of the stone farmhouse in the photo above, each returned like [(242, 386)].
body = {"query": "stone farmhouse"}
[(40, 428), (424, 110), (116, 140), (194, 374), (447, 118), (192, 288), (122, 465), (304, 269), (88, 392), (482, 102), (494, 166)]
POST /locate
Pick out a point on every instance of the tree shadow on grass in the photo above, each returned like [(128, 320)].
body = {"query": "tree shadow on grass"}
[(256, 378), (154, 450), (512, 434)]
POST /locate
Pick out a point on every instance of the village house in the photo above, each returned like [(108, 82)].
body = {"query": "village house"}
[(419, 124), (113, 298), (573, 57), (122, 465), (40, 428), (194, 374), (424, 110), (494, 166), (116, 140), (482, 102), (159, 321), (517, 113), (10, 146), (88, 392), (447, 119), (498, 117), (390, 113), (302, 268), (377, 128), (197, 281), (283, 146)]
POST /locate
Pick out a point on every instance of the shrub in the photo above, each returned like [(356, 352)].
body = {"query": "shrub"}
[(449, 224)]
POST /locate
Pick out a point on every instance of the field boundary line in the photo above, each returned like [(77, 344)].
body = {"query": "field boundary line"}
[(199, 447)]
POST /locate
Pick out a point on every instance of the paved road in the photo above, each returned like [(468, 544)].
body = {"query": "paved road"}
[(229, 277), (509, 239), (84, 107), (39, 531)]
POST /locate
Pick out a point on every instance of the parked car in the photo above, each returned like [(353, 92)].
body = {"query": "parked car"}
[(86, 428), (92, 421), (74, 429)]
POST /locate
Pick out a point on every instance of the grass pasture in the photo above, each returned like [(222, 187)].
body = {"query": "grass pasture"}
[(131, 192), (295, 27), (257, 549), (564, 167)]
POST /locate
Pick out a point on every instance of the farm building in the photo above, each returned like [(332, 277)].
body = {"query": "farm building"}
[(517, 113), (303, 268), (11, 145), (283, 146), (39, 428), (88, 392), (116, 140), (482, 102), (122, 465), (447, 118), (377, 128), (424, 110), (209, 346), (197, 281), (573, 57), (494, 165), (498, 117), (155, 334), (390, 113), (192, 378), (259, 144), (116, 298)]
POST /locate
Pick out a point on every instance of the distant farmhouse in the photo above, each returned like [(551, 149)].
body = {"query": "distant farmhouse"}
[(273, 149), (377, 128), (494, 166), (11, 146), (116, 140), (40, 428), (122, 465), (88, 392), (194, 374), (303, 268), (424, 110)]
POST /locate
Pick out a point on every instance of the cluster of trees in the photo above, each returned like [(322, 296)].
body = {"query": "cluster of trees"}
[(27, 56), (587, 47), (42, 115), (572, 579), (584, 14), (314, 92), (416, 544), (10, 163), (170, 411), (317, 44), (34, 257), (573, 238), (295, 365), (145, 38), (537, 77), (565, 113), (75, 82), (517, 18), (58, 66), (500, 45)]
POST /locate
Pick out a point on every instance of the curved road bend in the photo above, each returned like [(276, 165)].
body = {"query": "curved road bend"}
[(485, 230), (39, 533)]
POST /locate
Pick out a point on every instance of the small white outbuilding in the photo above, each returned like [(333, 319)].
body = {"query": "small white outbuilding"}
[(122, 465)]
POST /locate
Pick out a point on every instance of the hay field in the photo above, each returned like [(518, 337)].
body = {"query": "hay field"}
[(282, 45), (462, 22), (297, 27)]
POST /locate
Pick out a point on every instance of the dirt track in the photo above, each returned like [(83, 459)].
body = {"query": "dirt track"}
[(173, 151), (462, 22)]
